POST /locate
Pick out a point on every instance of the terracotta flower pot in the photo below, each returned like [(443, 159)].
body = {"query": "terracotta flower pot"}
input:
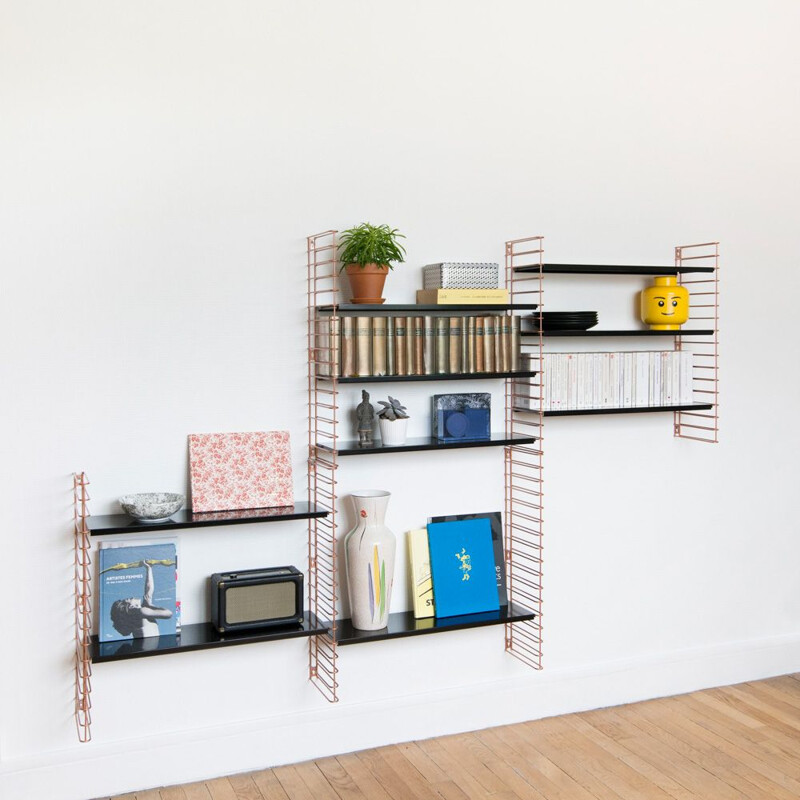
[(366, 282)]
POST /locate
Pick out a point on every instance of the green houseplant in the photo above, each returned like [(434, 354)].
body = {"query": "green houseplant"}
[(366, 253)]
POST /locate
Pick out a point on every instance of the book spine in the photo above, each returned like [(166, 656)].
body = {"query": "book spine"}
[(628, 376), (464, 345), (419, 346), (454, 366), (675, 362), (462, 296), (321, 333), (400, 346), (586, 377), (410, 346), (336, 346), (480, 356), (613, 380), (687, 366), (597, 380), (363, 349), (442, 347), (498, 344), (642, 397), (471, 368), (545, 378), (421, 585), (429, 346), (391, 369), (506, 342), (348, 347), (572, 381), (379, 345), (488, 344), (516, 342), (327, 353)]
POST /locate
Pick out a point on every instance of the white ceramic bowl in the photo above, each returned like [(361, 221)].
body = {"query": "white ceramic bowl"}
[(151, 506)]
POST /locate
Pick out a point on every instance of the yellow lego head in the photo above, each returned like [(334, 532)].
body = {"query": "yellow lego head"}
[(665, 306)]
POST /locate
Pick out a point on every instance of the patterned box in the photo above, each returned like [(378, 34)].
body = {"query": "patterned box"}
[(231, 471), (461, 275)]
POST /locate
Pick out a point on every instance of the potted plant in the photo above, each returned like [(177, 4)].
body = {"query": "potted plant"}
[(393, 422), (366, 253)]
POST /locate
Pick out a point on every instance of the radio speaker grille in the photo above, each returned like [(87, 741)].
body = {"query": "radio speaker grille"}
[(268, 601)]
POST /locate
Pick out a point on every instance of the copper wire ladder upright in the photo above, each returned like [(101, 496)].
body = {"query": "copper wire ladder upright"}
[(702, 426), (83, 608), (524, 476), (322, 464)]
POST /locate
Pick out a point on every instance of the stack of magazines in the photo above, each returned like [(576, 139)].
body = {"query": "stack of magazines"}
[(572, 381)]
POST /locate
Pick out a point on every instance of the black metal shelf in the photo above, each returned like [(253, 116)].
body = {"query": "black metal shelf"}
[(460, 377), (202, 636), (356, 309), (351, 448), (601, 333), (122, 523), (405, 624), (634, 410), (609, 269)]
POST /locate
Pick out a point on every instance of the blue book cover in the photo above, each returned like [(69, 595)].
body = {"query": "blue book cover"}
[(462, 567), (137, 591)]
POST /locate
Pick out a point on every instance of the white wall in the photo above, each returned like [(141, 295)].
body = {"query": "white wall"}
[(162, 164)]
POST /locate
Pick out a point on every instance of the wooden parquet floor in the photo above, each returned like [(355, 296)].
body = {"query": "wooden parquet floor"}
[(736, 742)]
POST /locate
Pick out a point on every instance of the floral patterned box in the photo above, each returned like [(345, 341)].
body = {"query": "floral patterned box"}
[(232, 471)]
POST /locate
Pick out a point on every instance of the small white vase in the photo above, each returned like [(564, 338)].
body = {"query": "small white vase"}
[(369, 551), (393, 431)]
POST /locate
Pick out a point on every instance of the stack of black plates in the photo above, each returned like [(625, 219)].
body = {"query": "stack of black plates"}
[(562, 321)]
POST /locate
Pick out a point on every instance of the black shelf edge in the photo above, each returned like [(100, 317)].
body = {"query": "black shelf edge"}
[(609, 269), (355, 310), (573, 412), (404, 624), (351, 448), (185, 518), (460, 377), (601, 333), (202, 636)]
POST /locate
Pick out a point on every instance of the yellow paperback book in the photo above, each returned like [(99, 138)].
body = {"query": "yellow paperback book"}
[(420, 564), (443, 297)]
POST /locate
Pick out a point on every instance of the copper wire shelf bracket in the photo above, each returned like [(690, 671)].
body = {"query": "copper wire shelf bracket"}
[(702, 426), (323, 343), (83, 609), (524, 464)]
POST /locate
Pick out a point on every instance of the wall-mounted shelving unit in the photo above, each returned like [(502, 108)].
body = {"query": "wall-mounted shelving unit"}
[(697, 268), (404, 624), (325, 448), (594, 333), (353, 448), (199, 636)]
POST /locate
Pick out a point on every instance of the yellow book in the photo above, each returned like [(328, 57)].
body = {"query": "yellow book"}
[(419, 561), (477, 297)]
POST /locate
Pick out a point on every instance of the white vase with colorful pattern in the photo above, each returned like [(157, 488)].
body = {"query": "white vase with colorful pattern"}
[(369, 551)]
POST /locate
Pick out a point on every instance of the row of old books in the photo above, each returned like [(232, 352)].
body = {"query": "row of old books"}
[(393, 345), (574, 381)]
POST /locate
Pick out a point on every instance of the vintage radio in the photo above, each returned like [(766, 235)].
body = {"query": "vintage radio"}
[(256, 598)]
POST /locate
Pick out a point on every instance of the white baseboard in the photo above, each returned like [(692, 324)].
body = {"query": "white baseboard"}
[(89, 771)]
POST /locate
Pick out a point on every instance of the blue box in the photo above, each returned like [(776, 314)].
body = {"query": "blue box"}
[(461, 417)]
